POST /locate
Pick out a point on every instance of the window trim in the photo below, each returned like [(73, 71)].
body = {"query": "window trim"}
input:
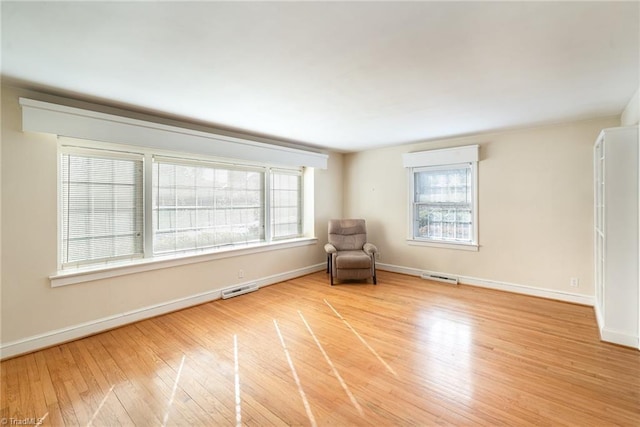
[(442, 158), (105, 271), (445, 245)]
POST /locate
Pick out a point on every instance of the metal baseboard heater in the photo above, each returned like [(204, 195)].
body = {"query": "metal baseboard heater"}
[(439, 277), (238, 290)]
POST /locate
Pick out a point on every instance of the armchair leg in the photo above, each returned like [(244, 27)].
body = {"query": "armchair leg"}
[(375, 279), (330, 268)]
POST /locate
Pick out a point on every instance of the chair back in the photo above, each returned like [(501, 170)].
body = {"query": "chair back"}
[(347, 234)]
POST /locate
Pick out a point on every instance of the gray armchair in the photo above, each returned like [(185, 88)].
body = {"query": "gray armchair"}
[(349, 255)]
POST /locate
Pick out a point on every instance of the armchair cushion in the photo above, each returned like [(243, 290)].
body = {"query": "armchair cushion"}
[(353, 259), (347, 234)]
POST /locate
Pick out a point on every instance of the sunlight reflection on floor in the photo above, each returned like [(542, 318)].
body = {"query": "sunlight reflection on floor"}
[(173, 392), (449, 348), (333, 368), (307, 407), (363, 341), (104, 399)]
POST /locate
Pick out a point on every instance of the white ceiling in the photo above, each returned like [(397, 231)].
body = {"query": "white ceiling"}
[(341, 75)]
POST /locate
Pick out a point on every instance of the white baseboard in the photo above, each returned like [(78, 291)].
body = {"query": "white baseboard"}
[(59, 336), (613, 336), (617, 337), (498, 285), (599, 318)]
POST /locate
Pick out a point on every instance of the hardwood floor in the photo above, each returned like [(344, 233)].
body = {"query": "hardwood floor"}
[(405, 352)]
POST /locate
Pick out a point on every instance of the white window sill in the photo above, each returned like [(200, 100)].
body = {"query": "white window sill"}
[(446, 245), (104, 271)]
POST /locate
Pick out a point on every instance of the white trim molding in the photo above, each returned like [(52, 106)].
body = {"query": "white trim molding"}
[(620, 338), (613, 336), (73, 332), (104, 271), (445, 245), (497, 285), (445, 156), (61, 120)]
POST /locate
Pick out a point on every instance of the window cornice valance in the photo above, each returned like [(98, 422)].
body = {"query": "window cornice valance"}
[(39, 116), (445, 156)]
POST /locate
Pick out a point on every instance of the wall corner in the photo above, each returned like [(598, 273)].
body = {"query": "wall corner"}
[(631, 114)]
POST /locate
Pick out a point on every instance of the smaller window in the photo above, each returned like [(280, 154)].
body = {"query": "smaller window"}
[(443, 196), (102, 207), (286, 204)]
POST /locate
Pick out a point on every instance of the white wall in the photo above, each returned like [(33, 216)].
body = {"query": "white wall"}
[(30, 307), (631, 114), (1, 299), (535, 207)]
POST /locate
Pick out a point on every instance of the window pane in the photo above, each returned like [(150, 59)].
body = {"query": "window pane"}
[(201, 206), (443, 186), (102, 208), (286, 212), (443, 203)]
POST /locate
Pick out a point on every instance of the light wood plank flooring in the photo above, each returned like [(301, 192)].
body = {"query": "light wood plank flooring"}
[(405, 352)]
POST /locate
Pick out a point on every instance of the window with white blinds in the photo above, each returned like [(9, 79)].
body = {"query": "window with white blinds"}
[(286, 204), (117, 206), (199, 206), (102, 211)]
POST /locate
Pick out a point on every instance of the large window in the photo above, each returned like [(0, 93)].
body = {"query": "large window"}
[(443, 197), (117, 206), (199, 206)]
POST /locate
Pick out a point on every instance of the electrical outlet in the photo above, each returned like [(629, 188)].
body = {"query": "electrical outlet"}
[(378, 256), (240, 274), (574, 282)]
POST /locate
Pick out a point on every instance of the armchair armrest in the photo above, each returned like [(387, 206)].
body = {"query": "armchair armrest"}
[(330, 249), (370, 248)]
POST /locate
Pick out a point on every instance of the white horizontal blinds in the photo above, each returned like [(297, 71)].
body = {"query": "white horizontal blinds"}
[(102, 207), (286, 204), (199, 206), (443, 203)]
